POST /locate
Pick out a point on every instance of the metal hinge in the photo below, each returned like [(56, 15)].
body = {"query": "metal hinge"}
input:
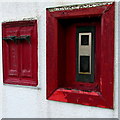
[(15, 38)]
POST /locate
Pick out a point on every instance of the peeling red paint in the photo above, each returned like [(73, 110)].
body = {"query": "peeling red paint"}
[(61, 84)]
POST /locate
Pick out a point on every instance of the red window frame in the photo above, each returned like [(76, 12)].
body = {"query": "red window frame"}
[(56, 89), (25, 74)]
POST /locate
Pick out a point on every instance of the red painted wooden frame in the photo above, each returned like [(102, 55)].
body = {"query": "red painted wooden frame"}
[(20, 59), (104, 61)]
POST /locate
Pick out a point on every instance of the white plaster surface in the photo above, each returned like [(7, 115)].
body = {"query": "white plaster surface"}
[(119, 56), (30, 102), (1, 74)]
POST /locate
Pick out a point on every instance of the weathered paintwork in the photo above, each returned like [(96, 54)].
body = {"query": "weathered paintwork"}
[(61, 59), (20, 58)]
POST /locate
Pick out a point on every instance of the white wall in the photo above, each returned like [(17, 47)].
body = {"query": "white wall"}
[(119, 55), (30, 102), (0, 71)]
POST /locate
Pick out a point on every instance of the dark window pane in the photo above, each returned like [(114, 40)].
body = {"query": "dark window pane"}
[(84, 39), (84, 63)]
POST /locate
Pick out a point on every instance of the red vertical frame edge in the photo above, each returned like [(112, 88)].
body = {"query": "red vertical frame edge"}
[(103, 98), (24, 80)]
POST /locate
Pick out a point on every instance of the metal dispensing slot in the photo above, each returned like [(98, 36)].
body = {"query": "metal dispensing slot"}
[(84, 53)]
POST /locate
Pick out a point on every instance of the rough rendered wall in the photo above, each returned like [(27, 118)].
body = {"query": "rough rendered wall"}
[(119, 56), (0, 73), (30, 102)]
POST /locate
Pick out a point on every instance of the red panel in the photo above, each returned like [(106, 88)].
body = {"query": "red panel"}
[(52, 45), (61, 56), (79, 97), (12, 59), (20, 59), (26, 53), (10, 56), (83, 12), (107, 55)]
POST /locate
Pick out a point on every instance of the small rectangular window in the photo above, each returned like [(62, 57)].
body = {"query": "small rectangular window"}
[(82, 50)]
